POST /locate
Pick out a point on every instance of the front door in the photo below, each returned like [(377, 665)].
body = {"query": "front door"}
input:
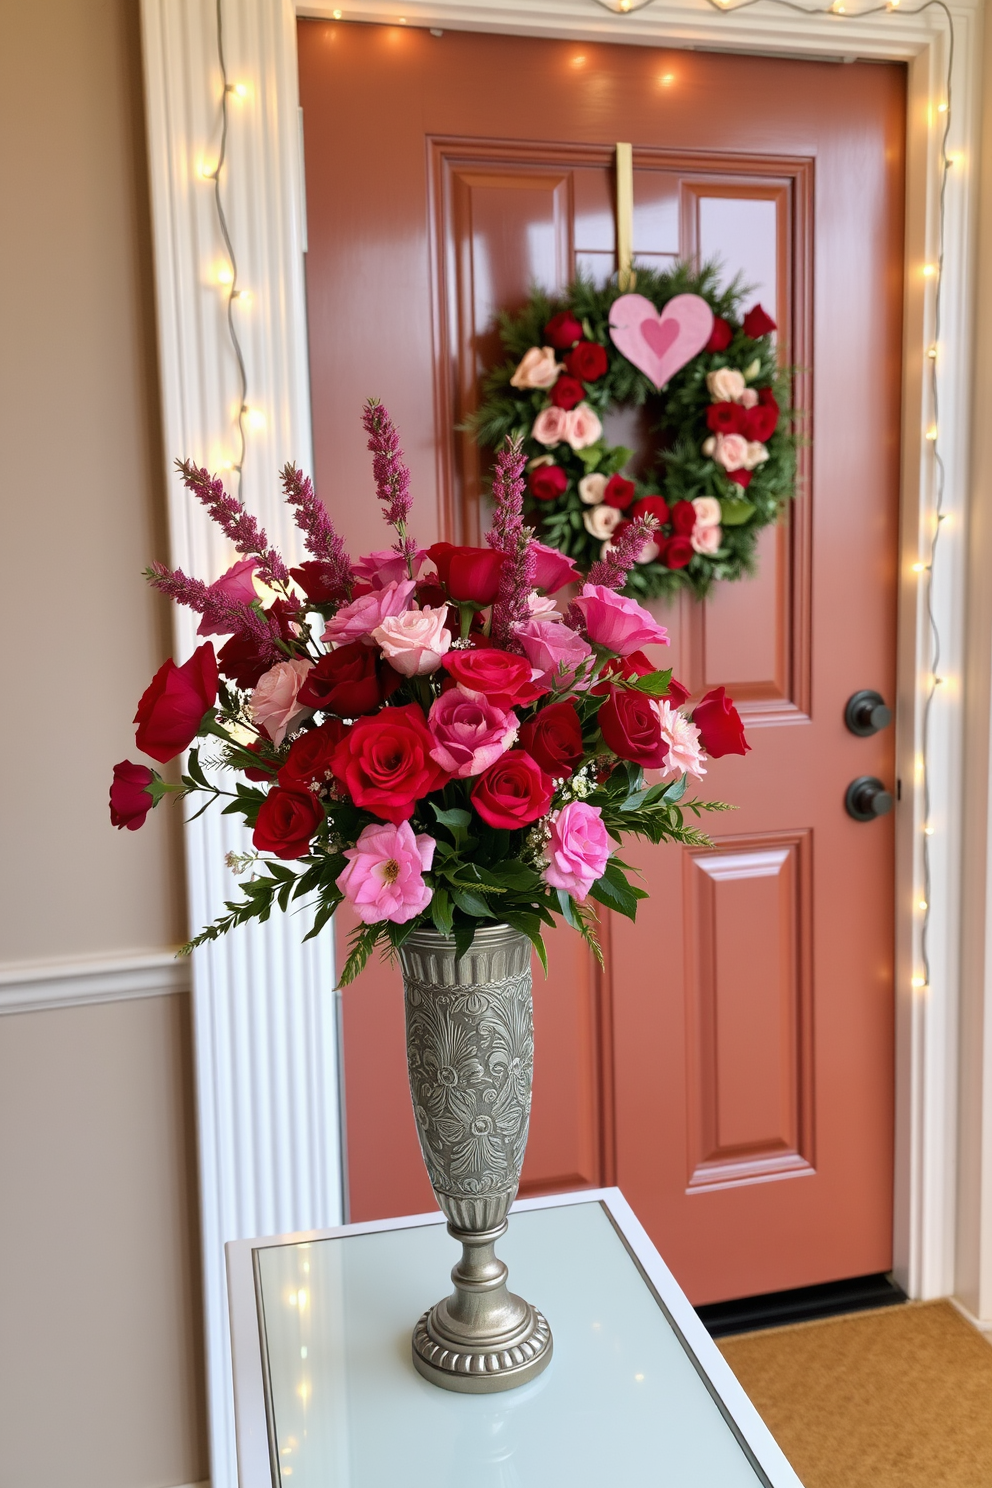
[(732, 1070)]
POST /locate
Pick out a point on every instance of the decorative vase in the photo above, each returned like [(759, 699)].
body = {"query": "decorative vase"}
[(470, 1051)]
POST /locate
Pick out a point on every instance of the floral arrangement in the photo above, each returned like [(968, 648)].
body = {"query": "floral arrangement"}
[(423, 734), (727, 454)]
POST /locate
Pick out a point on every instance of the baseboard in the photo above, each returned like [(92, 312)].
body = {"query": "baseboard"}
[(805, 1304), (30, 986), (980, 1326)]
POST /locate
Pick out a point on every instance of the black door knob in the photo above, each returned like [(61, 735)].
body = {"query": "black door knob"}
[(866, 713), (867, 798)]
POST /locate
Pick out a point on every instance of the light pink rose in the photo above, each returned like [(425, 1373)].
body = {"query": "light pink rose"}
[(591, 488), (236, 585), (756, 455), (384, 876), (537, 369), (555, 651), (414, 642), (749, 398), (726, 385), (387, 567), (707, 510), (706, 539), (470, 733), (616, 623), (730, 451), (540, 605), (551, 426), (273, 704), (649, 551), (357, 621), (600, 521), (579, 849), (685, 753), (584, 427)]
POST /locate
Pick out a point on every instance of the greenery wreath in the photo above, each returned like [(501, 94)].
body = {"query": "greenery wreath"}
[(727, 451)]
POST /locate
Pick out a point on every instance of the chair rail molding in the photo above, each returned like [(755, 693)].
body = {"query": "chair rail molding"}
[(264, 1011), (34, 986), (261, 1001)]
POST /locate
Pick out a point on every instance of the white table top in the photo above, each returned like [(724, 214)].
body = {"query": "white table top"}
[(326, 1395)]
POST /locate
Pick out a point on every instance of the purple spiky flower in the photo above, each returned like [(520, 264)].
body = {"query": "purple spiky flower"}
[(234, 521), (612, 570), (510, 535), (230, 616), (319, 533), (392, 478)]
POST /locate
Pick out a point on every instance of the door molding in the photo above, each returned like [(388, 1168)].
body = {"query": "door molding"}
[(268, 988)]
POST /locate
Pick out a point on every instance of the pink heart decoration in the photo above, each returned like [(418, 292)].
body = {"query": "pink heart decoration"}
[(659, 345)]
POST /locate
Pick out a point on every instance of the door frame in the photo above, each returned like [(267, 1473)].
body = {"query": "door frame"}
[(264, 200)]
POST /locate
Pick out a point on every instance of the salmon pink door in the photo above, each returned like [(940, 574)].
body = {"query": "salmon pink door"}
[(732, 1068)]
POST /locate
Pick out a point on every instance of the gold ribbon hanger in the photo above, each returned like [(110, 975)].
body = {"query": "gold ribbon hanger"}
[(626, 276)]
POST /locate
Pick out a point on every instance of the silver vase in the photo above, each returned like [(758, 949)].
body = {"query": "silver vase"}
[(470, 1051)]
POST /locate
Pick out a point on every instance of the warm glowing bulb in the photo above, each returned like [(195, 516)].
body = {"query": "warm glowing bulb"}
[(225, 276), (942, 108), (893, 4), (923, 904), (837, 9), (578, 61), (402, 20), (928, 831), (668, 79), (336, 14), (919, 567), (932, 353), (938, 681), (207, 172), (919, 981), (243, 296), (255, 417), (932, 435), (929, 270)]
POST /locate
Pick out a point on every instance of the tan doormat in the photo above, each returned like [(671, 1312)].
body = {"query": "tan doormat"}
[(898, 1398)]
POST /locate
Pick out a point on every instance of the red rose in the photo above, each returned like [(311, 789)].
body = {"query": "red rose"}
[(311, 577), (651, 506), (634, 665), (767, 395), (761, 422), (676, 552), (632, 729), (552, 570), (756, 323), (553, 737), (259, 772), (430, 595), (130, 801), (513, 792), (741, 478), (174, 702), (546, 482), (384, 762), (470, 575), (725, 418), (349, 681), (499, 676), (618, 492), (588, 361), (240, 660), (720, 336), (308, 763), (287, 820), (563, 330), (677, 694), (567, 392), (719, 724), (683, 518)]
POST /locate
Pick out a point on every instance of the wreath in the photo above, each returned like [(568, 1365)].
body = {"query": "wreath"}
[(718, 400)]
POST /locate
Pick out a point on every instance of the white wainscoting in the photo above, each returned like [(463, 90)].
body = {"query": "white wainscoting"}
[(32, 986)]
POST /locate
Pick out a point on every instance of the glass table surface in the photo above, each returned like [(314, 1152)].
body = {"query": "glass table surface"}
[(622, 1401)]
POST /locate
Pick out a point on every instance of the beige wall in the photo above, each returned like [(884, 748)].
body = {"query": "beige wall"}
[(100, 1339)]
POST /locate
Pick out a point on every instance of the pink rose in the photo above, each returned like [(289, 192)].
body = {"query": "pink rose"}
[(471, 734), (730, 451), (756, 455), (685, 754), (707, 510), (583, 427), (649, 551), (414, 642), (600, 521), (274, 705), (552, 570), (706, 539), (592, 488), (539, 606), (384, 876), (357, 621), (749, 398), (387, 567), (726, 385), (236, 585), (551, 426), (554, 650), (616, 623), (579, 849), (537, 369)]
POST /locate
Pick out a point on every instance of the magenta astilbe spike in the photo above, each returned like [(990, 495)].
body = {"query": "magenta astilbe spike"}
[(233, 617), (392, 478), (510, 535), (319, 534), (236, 523), (611, 572)]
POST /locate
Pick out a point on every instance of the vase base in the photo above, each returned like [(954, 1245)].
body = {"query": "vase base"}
[(482, 1372)]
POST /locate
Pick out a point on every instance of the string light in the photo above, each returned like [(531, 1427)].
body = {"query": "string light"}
[(919, 982), (919, 567)]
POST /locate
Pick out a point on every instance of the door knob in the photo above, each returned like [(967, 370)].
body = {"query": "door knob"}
[(867, 798), (866, 713)]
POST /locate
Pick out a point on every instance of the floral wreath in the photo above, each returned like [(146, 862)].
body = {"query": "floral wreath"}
[(711, 379)]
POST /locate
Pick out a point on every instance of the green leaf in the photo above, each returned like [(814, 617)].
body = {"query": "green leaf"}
[(617, 895), (655, 684), (471, 904), (464, 936), (530, 925), (676, 790), (734, 513), (362, 945), (195, 772), (456, 820), (441, 911)]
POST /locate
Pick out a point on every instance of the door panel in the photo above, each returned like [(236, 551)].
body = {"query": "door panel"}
[(732, 1068)]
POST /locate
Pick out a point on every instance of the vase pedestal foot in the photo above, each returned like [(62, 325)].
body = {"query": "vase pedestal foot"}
[(482, 1338)]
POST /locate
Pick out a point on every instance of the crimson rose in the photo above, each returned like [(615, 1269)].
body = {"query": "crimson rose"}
[(632, 729), (470, 575), (563, 330), (757, 323), (349, 681), (726, 418), (683, 517), (260, 748), (513, 792), (174, 702), (546, 482), (567, 392), (240, 659), (720, 336), (501, 677), (741, 478), (312, 579), (677, 551), (130, 801), (287, 819), (719, 724), (618, 492), (587, 361), (553, 737), (760, 422), (677, 694), (651, 506), (384, 762), (309, 760), (634, 665)]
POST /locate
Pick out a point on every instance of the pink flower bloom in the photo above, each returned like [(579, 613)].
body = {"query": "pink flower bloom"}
[(552, 570), (384, 876), (579, 849), (730, 451), (617, 623), (685, 754), (706, 539), (541, 606), (387, 567), (584, 427), (538, 369), (470, 732), (554, 650), (551, 426), (414, 642), (273, 704), (707, 510), (236, 585), (357, 621)]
